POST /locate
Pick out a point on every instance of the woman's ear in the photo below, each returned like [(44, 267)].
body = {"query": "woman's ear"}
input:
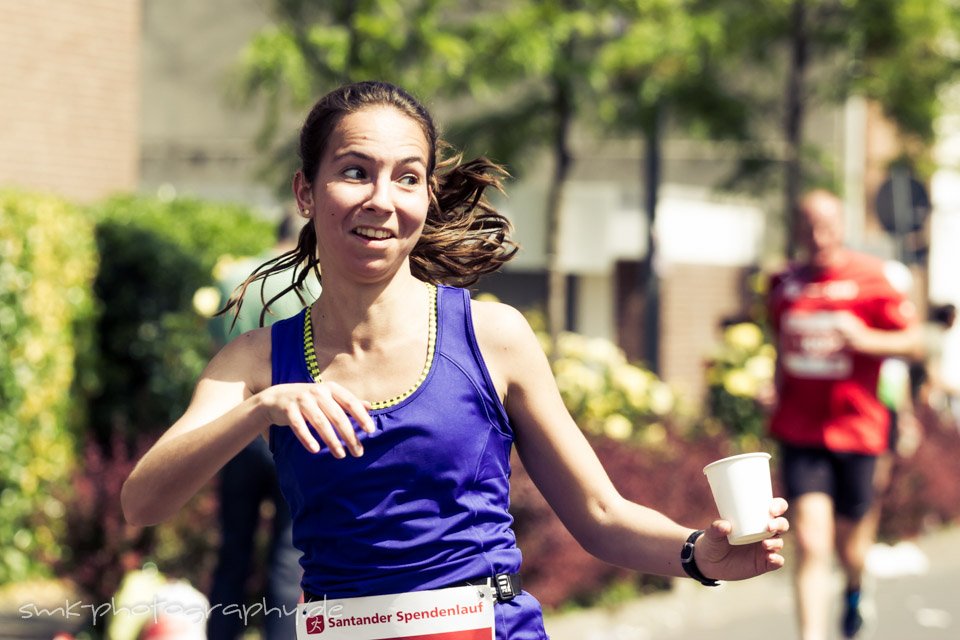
[(304, 195)]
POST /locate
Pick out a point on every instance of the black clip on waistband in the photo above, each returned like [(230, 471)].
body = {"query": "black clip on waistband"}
[(507, 585)]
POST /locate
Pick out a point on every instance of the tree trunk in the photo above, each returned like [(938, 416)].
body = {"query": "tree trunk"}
[(649, 279), (793, 125), (556, 277)]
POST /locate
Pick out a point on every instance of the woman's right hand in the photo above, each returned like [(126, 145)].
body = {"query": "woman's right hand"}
[(325, 405)]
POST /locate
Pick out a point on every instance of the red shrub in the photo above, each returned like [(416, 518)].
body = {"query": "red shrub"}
[(925, 490), (103, 547)]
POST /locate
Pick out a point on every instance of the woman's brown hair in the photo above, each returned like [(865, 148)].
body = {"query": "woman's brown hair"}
[(464, 236)]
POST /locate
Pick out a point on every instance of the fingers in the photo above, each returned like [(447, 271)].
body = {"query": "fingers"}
[(719, 530), (334, 403), (772, 545), (327, 407), (324, 424), (354, 406), (719, 559), (772, 548), (779, 525), (300, 429)]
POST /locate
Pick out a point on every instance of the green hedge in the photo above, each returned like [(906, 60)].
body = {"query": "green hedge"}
[(47, 264), (152, 345)]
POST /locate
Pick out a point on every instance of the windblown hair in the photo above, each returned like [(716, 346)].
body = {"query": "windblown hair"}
[(464, 236)]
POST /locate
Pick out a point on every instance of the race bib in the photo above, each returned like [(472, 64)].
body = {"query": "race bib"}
[(812, 347), (458, 613)]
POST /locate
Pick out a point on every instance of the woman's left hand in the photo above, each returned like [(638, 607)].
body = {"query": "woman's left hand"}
[(720, 560)]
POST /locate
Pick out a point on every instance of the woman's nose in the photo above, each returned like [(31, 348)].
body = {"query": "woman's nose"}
[(381, 196)]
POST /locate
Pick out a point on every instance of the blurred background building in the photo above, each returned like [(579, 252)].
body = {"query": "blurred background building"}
[(70, 96), (113, 95)]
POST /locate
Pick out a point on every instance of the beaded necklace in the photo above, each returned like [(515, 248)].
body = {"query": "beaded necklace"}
[(314, 369)]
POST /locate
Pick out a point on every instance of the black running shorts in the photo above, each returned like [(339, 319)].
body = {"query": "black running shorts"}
[(846, 477)]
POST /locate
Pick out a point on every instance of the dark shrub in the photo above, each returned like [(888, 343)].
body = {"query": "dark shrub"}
[(152, 346)]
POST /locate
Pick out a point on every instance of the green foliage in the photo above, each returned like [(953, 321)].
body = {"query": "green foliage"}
[(537, 60), (314, 47), (665, 55), (152, 345), (903, 52), (899, 53), (47, 263)]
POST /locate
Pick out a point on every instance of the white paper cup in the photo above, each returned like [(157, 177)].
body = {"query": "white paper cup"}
[(742, 490)]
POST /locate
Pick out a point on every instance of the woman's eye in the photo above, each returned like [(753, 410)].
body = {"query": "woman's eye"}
[(354, 173), (410, 180)]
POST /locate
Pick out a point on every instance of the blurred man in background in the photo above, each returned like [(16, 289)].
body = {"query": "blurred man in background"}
[(835, 316)]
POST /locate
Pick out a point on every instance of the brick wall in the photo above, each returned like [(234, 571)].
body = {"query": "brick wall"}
[(69, 95), (694, 300)]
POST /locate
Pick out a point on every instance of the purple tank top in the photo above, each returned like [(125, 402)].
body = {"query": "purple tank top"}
[(426, 506)]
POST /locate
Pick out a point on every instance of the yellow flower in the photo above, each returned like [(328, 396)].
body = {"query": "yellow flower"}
[(740, 383), (634, 382), (745, 335), (617, 427), (661, 398), (604, 352), (572, 345), (588, 380), (206, 301), (600, 405), (575, 380), (760, 367)]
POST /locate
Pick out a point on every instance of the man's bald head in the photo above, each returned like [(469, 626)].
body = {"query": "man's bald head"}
[(820, 226)]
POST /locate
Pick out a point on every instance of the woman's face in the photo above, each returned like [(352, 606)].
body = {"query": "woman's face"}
[(370, 198)]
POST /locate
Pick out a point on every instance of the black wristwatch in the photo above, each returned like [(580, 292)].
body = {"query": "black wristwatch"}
[(689, 562)]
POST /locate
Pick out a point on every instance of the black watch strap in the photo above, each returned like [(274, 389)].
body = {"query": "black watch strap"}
[(689, 562)]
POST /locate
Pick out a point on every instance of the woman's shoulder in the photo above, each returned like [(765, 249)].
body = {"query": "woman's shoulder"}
[(498, 314), (500, 326), (246, 356), (509, 346)]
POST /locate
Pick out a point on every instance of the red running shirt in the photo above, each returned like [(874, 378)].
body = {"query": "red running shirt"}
[(828, 394)]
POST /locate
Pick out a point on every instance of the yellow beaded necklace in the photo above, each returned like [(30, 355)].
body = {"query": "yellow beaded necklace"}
[(311, 355)]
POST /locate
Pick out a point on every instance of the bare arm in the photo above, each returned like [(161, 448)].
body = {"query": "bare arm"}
[(187, 456), (905, 343), (566, 470), (234, 403)]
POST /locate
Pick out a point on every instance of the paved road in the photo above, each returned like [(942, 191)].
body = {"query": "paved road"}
[(916, 591)]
